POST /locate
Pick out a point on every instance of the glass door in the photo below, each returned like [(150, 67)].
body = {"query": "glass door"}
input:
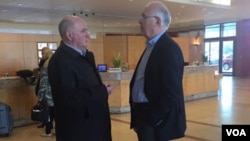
[(220, 53), (227, 57), (212, 49)]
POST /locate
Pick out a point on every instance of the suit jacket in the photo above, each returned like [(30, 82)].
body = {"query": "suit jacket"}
[(80, 97), (163, 88)]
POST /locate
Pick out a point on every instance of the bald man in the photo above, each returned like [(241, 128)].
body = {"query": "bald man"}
[(80, 97)]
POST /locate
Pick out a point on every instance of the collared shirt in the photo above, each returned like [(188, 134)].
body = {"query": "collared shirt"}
[(82, 52), (138, 94)]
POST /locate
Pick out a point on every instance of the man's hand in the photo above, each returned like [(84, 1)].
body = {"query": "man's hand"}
[(111, 87)]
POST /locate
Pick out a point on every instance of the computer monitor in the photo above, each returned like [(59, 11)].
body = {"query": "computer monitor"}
[(102, 67)]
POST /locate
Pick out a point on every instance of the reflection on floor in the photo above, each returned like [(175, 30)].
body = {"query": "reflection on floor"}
[(204, 117)]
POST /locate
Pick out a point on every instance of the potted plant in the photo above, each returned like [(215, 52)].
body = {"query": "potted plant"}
[(205, 59), (117, 60)]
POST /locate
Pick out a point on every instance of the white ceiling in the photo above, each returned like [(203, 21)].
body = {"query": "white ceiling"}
[(119, 13)]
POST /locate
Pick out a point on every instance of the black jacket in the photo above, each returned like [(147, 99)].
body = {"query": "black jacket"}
[(163, 88), (80, 97)]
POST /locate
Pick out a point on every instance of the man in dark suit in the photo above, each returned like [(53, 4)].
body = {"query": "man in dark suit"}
[(156, 93), (80, 97)]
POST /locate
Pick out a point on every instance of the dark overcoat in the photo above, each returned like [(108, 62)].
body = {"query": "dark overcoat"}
[(80, 97), (163, 88)]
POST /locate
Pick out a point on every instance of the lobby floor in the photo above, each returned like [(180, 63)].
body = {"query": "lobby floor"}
[(204, 116)]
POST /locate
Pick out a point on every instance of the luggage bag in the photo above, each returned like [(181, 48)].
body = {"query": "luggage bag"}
[(6, 120)]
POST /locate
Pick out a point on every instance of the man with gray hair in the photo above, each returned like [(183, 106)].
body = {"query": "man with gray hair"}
[(80, 97), (156, 93)]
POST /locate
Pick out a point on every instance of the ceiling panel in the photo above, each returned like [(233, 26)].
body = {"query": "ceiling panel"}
[(118, 13)]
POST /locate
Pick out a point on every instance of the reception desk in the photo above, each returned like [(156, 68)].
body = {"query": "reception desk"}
[(198, 82), (20, 96), (119, 98)]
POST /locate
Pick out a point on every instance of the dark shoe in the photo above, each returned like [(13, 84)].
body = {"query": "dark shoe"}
[(40, 126)]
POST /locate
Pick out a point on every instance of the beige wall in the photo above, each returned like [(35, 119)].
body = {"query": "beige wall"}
[(184, 44), (19, 51), (117, 44), (96, 46), (131, 48), (136, 46)]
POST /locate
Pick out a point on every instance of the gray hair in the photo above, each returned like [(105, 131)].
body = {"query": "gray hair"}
[(65, 24), (163, 13)]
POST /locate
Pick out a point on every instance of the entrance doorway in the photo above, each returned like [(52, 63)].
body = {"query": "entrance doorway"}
[(220, 52), (227, 57)]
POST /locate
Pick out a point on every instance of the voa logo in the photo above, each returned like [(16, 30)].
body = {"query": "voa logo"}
[(236, 132)]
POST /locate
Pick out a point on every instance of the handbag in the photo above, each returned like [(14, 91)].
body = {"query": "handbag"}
[(40, 112), (25, 74)]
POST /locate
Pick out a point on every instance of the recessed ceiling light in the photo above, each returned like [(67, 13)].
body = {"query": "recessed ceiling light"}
[(20, 4), (210, 13), (218, 2)]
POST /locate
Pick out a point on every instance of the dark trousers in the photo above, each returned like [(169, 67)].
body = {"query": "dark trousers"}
[(145, 133), (143, 130), (49, 124)]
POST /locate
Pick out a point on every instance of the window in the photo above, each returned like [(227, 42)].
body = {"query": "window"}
[(228, 29), (40, 45), (219, 45), (212, 31)]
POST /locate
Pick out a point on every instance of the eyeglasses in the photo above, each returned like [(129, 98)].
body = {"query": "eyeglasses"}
[(143, 17)]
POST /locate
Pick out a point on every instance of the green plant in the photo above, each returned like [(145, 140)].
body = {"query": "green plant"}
[(117, 60), (204, 58)]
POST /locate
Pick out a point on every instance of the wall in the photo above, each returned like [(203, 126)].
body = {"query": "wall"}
[(131, 48), (185, 46), (136, 46), (242, 49), (96, 45), (114, 45), (19, 51)]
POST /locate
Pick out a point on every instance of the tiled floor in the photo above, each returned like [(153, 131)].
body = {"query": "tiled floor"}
[(204, 117)]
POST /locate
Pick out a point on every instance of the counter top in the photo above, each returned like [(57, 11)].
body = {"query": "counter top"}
[(116, 75), (128, 75), (11, 82), (195, 69), (9, 77)]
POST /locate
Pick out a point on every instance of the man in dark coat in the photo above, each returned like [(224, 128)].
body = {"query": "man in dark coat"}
[(156, 93), (80, 97)]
